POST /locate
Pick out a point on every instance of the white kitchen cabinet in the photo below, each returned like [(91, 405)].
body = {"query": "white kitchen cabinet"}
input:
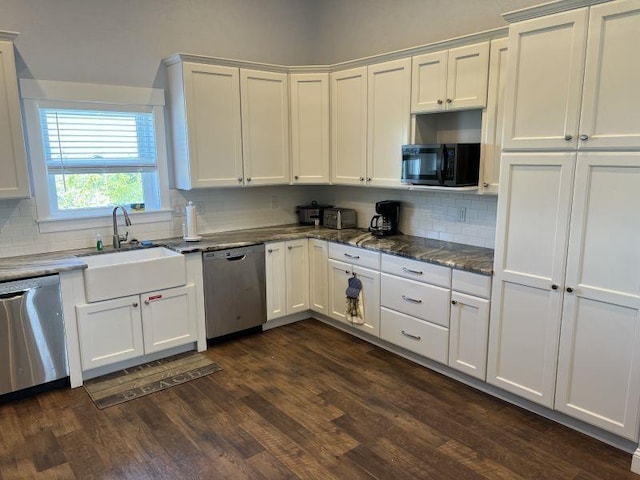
[(287, 277), (14, 181), (309, 128), (468, 334), (452, 79), (339, 275), (265, 127), (493, 117), (532, 234), (599, 361), (611, 78), (389, 96), (544, 81), (168, 318), (109, 331), (206, 125), (318, 276), (349, 126), (114, 330)]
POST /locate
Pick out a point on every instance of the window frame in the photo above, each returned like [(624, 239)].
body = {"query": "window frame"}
[(37, 94)]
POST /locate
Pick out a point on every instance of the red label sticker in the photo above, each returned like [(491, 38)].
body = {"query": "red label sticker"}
[(155, 297)]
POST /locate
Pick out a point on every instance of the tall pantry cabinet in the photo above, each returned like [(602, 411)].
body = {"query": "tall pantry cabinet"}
[(565, 319)]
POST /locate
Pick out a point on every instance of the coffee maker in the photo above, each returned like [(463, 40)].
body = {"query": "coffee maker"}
[(386, 222)]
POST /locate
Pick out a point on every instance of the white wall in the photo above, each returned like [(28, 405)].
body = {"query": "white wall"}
[(353, 29)]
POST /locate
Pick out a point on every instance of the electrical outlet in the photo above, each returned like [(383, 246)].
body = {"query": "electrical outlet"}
[(462, 214)]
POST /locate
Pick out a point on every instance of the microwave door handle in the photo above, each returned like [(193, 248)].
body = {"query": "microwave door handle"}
[(441, 165)]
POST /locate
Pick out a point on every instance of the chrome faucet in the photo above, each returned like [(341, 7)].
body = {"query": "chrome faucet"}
[(118, 239)]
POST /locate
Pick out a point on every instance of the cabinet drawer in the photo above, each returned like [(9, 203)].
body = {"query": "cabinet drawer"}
[(423, 338), (354, 255), (427, 302), (471, 283), (415, 270)]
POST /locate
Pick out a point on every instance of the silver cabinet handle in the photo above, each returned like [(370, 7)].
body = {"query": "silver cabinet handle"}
[(584, 137), (568, 138), (415, 272), (134, 304), (439, 102), (352, 256), (414, 337), (410, 300)]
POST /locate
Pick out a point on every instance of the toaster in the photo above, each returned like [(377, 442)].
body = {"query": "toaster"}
[(339, 218)]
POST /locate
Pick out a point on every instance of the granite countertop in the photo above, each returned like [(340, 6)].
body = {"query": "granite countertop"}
[(455, 255)]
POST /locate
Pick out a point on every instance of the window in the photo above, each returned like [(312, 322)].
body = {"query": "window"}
[(92, 148)]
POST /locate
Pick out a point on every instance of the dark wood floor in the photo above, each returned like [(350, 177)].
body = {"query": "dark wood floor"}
[(301, 401)]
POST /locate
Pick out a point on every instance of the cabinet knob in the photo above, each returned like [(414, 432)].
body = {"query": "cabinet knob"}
[(362, 179), (146, 302), (239, 179), (296, 177), (449, 100), (568, 138), (439, 102), (270, 250), (584, 137), (368, 179), (485, 185), (454, 302), (290, 247), (248, 179), (134, 304), (554, 287), (347, 272), (569, 290)]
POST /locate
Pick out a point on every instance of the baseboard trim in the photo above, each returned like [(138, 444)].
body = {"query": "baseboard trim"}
[(279, 322)]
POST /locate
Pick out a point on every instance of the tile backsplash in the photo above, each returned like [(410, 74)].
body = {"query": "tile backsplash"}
[(433, 215)]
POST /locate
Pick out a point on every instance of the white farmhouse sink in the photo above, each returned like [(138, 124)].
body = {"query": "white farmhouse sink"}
[(119, 274)]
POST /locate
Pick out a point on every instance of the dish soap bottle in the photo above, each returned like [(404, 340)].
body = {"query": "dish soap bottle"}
[(99, 244)]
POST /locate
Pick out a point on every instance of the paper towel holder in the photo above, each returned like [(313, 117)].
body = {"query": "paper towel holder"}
[(190, 229)]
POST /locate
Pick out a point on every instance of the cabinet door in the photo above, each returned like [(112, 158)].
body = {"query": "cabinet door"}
[(611, 79), (468, 334), (297, 275), (544, 81), (310, 128), (318, 276), (109, 331), (388, 125), (206, 125), (429, 82), (493, 118), (276, 276), (265, 127), (467, 76), (349, 126), (339, 275), (14, 181), (599, 360), (168, 318), (532, 233)]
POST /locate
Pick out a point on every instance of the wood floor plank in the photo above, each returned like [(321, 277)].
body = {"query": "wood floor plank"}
[(303, 401)]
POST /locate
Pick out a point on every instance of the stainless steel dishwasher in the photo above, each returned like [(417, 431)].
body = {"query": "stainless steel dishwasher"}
[(32, 340), (234, 290)]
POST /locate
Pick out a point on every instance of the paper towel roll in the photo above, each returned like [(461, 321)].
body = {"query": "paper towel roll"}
[(192, 221)]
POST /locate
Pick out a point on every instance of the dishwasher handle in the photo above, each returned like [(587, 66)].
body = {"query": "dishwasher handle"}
[(11, 295), (239, 257)]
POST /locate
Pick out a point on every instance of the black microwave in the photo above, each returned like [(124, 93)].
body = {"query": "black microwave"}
[(446, 165)]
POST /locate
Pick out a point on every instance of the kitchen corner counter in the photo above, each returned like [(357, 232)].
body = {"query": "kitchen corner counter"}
[(454, 255), (37, 265)]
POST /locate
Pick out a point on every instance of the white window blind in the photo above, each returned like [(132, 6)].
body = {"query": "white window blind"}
[(92, 141)]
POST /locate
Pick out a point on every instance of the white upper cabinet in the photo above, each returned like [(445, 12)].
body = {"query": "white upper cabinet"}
[(389, 86), (493, 117), (453, 79), (544, 81), (265, 127), (572, 80), (309, 128), (611, 78), (207, 134), (599, 361), (14, 181), (349, 126)]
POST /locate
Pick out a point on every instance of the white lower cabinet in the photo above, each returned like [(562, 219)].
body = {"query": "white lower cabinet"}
[(287, 272), (468, 332), (318, 276), (123, 328), (339, 275)]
